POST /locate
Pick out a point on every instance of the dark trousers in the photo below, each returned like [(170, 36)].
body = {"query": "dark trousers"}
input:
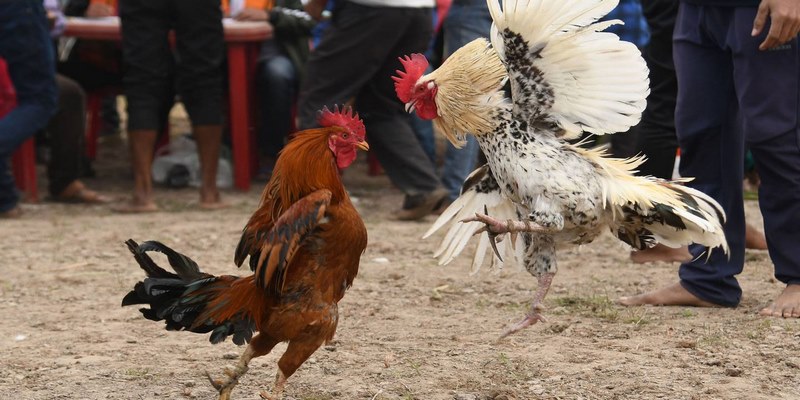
[(66, 132), (149, 62), (356, 58), (25, 45), (277, 88), (732, 95), (655, 134)]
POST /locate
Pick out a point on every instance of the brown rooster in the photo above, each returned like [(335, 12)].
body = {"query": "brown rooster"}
[(304, 243)]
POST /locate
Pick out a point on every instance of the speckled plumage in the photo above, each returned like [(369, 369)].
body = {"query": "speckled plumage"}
[(566, 78)]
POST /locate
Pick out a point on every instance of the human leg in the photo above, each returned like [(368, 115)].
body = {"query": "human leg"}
[(376, 37), (712, 151), (779, 198), (277, 83), (388, 128), (201, 45), (656, 136), (28, 52), (66, 131), (146, 82), (767, 86), (466, 20)]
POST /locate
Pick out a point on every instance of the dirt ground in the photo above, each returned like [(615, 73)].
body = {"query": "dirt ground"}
[(408, 329)]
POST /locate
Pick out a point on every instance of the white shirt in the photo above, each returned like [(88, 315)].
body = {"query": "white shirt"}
[(236, 6), (396, 3)]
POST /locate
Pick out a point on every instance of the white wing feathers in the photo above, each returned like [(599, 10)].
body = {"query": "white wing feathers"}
[(581, 79), (480, 190)]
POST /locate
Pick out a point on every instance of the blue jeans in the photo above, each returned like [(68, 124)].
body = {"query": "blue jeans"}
[(277, 89), (466, 21), (25, 45)]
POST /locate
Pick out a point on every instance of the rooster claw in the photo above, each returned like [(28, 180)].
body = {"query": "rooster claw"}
[(224, 387), (216, 383), (526, 322), (494, 238), (267, 396)]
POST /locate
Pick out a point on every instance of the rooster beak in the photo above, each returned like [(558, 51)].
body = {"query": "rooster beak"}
[(410, 107), (363, 145)]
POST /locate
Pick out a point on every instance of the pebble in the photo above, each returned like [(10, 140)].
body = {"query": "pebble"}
[(733, 371), (230, 356)]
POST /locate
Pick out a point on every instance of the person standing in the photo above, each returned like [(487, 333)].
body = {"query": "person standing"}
[(738, 70), (26, 47), (148, 65), (354, 61)]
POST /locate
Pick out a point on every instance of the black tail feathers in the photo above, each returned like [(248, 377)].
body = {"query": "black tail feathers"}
[(180, 299)]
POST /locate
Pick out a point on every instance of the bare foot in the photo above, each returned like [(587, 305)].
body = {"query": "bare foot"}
[(754, 239), (13, 213), (659, 252), (787, 305), (210, 199), (77, 192), (672, 295)]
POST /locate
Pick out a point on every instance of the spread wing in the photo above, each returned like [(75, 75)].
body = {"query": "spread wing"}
[(480, 192), (564, 70), (271, 245)]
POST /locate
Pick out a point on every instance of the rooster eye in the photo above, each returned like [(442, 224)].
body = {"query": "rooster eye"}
[(344, 136)]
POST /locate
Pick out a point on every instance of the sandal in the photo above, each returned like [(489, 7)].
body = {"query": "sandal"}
[(77, 193)]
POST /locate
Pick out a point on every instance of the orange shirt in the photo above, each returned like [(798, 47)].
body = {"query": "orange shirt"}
[(112, 3), (259, 4)]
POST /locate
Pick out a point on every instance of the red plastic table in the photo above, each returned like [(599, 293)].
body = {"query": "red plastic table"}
[(243, 39)]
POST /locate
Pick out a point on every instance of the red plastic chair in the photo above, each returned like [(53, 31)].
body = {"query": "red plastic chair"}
[(24, 159)]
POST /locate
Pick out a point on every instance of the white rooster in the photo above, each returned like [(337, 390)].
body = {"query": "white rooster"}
[(566, 77)]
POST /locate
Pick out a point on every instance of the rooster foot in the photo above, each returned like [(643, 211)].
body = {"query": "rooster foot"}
[(267, 396), (531, 318), (277, 391), (495, 227), (226, 385)]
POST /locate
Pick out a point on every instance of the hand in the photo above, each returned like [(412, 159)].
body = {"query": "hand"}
[(784, 18), (98, 10), (314, 8), (51, 19), (252, 14)]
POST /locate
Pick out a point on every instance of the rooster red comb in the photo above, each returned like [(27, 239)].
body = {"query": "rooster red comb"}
[(414, 65), (344, 118)]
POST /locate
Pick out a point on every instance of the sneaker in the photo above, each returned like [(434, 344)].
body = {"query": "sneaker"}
[(418, 206)]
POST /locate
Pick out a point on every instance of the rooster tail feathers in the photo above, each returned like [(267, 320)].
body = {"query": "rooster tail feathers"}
[(189, 300), (665, 212), (581, 78), (186, 268)]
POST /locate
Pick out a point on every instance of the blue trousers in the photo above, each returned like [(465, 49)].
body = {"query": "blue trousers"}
[(732, 95), (25, 45), (466, 21)]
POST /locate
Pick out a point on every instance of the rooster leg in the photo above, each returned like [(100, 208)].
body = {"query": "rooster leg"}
[(534, 314), (277, 391), (225, 386)]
